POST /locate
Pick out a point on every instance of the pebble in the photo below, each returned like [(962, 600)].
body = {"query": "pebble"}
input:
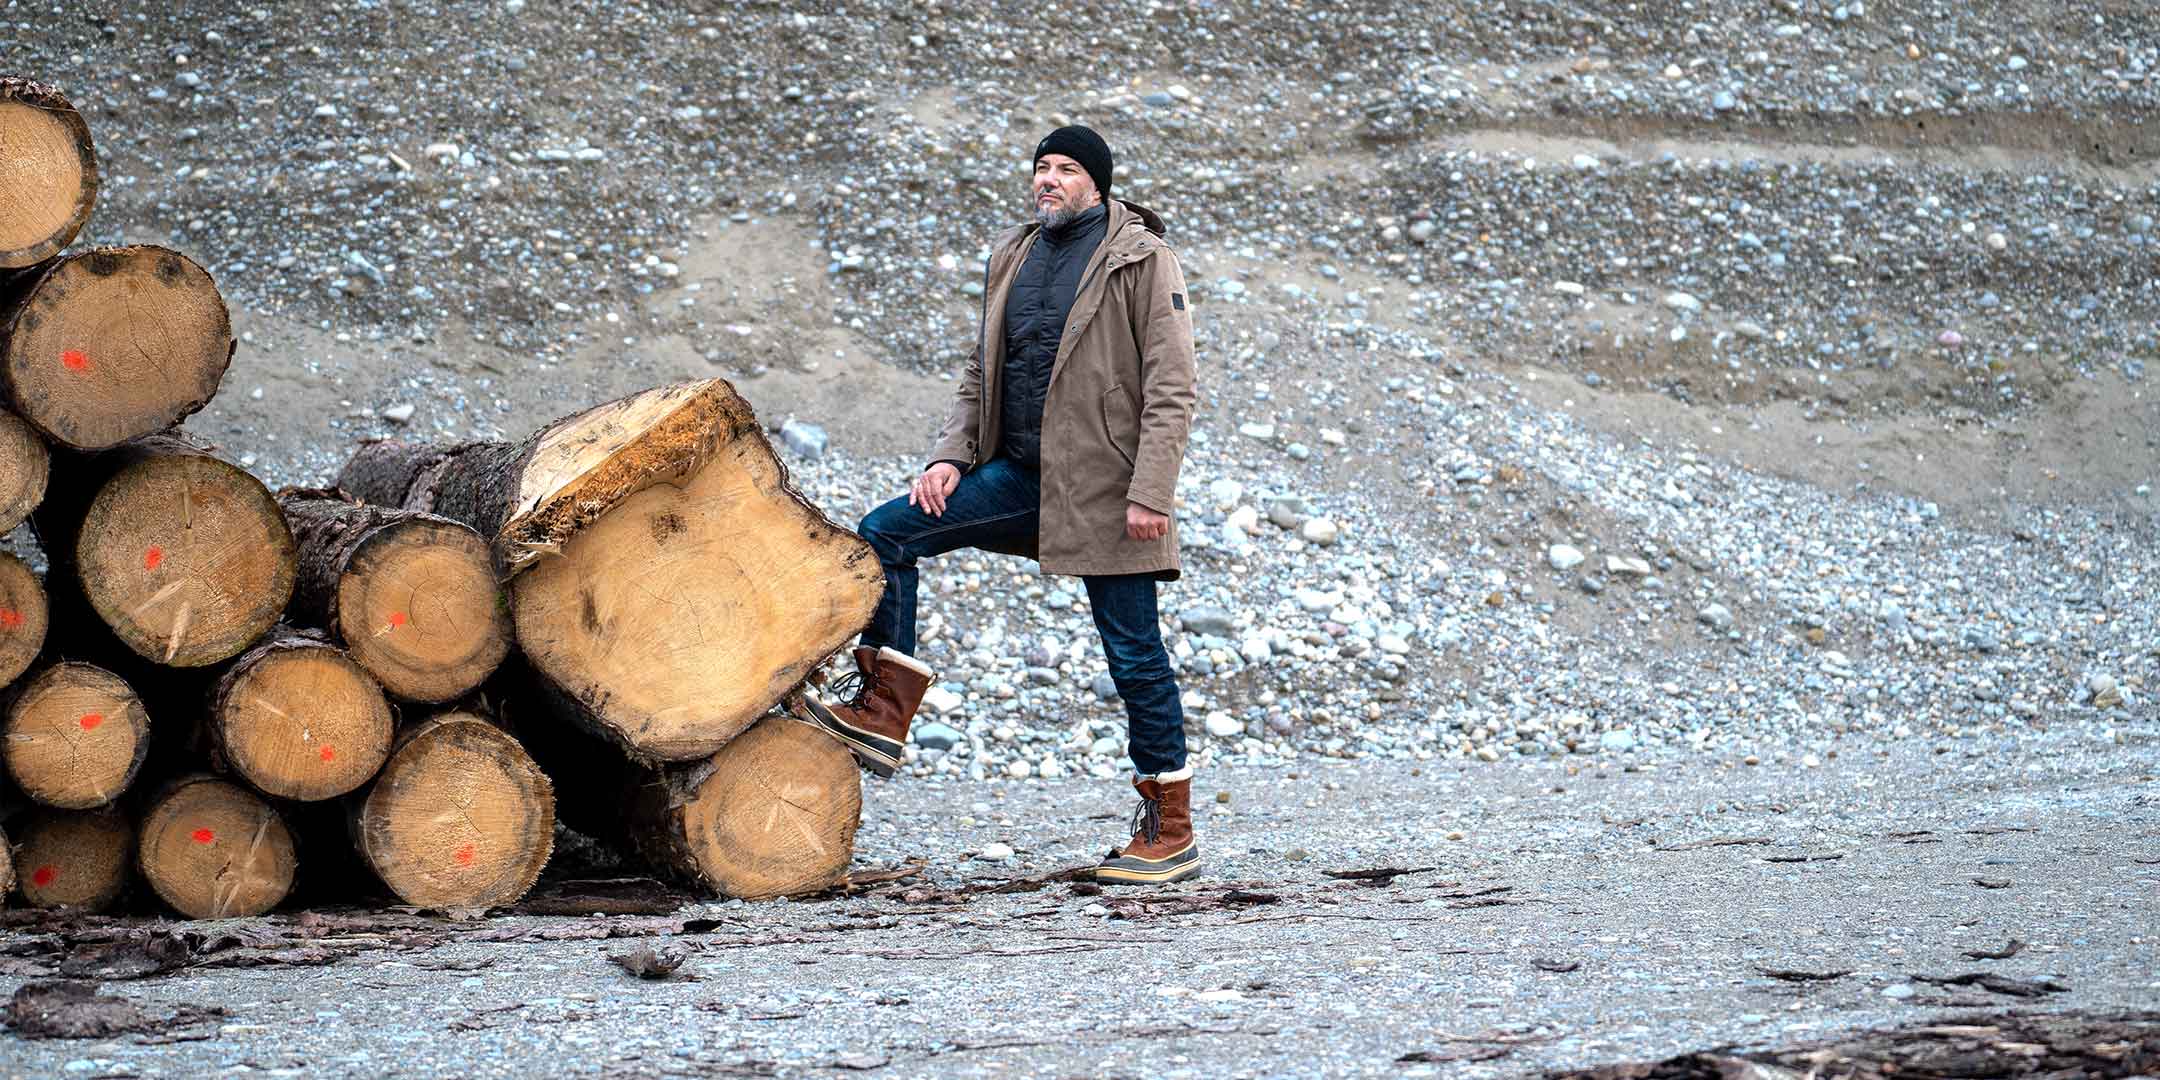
[(1321, 531), (399, 413), (1206, 619), (938, 699), (1222, 725), (804, 439), (1715, 616), (1019, 769), (995, 852), (1563, 557), (936, 736)]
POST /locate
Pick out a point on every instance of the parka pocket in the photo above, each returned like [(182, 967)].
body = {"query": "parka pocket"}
[(1121, 423)]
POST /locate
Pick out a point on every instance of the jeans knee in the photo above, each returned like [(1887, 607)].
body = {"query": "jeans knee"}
[(876, 530)]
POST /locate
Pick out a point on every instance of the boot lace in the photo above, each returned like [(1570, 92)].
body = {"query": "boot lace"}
[(852, 687), (1147, 819)]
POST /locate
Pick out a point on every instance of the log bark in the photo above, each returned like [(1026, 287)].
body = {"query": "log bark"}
[(7, 868), (412, 596), (25, 466), (666, 579), (213, 850), (772, 813), (24, 618), (184, 556), (112, 344), (80, 859), (52, 172), (298, 719), (460, 819), (75, 737)]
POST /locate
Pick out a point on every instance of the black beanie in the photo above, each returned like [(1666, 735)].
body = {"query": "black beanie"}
[(1084, 146)]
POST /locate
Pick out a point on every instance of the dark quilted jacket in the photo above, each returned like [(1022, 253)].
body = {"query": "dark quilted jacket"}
[(1035, 313)]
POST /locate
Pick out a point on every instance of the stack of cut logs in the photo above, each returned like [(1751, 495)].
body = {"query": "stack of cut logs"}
[(226, 694)]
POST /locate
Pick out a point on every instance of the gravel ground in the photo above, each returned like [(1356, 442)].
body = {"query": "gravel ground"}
[(1756, 394), (1550, 916)]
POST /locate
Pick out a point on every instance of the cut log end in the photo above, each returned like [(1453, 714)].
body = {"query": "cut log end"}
[(117, 343), (759, 585), (76, 737), (25, 466), (775, 816), (186, 557), (24, 617), (52, 173), (79, 859), (460, 819), (418, 605), (212, 850), (298, 719)]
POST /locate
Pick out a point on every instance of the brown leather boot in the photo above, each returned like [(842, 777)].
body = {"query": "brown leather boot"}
[(1163, 849), (870, 707)]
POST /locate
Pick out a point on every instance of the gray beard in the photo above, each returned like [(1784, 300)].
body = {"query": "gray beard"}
[(1059, 217)]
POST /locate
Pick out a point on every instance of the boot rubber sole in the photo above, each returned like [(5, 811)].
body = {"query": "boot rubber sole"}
[(876, 753), (1131, 870)]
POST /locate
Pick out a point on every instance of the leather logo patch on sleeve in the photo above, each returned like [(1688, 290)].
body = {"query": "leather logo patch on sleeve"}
[(1177, 301)]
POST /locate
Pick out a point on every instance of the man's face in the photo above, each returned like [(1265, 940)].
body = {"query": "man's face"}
[(1062, 189)]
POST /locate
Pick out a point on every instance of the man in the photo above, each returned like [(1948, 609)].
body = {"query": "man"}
[(1064, 443)]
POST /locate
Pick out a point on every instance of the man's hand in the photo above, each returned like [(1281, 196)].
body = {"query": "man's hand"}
[(929, 490), (1142, 523)]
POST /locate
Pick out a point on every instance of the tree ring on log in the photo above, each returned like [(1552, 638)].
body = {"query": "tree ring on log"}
[(772, 814), (419, 606), (24, 617), (186, 557), (76, 737), (213, 850), (116, 343), (52, 173), (75, 858), (674, 616), (300, 720), (460, 818), (25, 467)]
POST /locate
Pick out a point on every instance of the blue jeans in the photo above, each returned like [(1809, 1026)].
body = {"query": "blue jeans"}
[(998, 502)]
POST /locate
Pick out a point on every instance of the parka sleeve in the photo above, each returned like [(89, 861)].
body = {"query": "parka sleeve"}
[(1162, 324), (957, 440)]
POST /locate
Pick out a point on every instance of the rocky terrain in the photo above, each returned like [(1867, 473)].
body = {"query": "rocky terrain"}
[(1725, 383)]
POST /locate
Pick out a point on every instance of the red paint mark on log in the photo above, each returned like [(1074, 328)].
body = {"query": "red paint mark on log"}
[(328, 755), (44, 875), (91, 720), (397, 618), (465, 855), (204, 836), (74, 360), (153, 557), (10, 618)]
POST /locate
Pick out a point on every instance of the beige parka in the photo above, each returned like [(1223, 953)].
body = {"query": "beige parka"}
[(1120, 403)]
